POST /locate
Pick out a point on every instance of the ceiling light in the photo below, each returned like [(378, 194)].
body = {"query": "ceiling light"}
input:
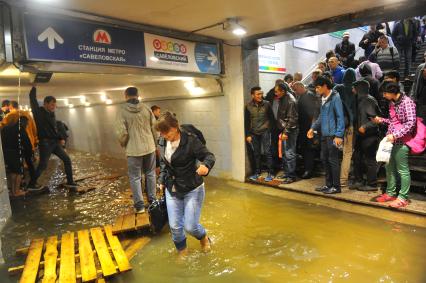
[(229, 24), (232, 25), (108, 101), (239, 31), (196, 91)]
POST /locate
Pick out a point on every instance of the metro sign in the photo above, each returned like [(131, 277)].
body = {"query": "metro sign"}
[(101, 36)]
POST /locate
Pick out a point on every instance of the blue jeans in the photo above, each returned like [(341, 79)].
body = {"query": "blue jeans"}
[(259, 142), (184, 215), (137, 164), (289, 154)]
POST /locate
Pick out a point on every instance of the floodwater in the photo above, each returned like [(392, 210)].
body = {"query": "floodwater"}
[(256, 237)]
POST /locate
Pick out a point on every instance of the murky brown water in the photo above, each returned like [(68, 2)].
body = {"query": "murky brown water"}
[(256, 238)]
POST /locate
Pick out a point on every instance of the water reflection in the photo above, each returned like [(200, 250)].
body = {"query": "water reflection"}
[(256, 237)]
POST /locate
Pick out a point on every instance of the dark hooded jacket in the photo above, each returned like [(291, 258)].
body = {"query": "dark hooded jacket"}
[(367, 108), (366, 73), (345, 92)]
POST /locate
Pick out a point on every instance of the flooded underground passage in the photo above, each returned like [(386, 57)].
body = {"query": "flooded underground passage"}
[(235, 143)]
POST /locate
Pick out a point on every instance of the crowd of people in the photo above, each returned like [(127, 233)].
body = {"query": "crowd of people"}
[(348, 108)]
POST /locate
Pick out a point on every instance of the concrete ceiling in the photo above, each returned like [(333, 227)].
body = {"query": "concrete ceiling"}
[(258, 16), (73, 86)]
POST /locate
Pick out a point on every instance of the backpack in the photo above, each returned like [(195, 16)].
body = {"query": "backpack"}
[(189, 128)]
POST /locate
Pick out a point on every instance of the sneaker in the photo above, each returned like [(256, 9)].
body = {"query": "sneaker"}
[(289, 180), (140, 210), (321, 189), (332, 191), (269, 178), (36, 187), (356, 185), (385, 198), (254, 177), (72, 185)]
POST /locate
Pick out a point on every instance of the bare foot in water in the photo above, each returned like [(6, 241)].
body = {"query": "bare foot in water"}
[(205, 244), (183, 254)]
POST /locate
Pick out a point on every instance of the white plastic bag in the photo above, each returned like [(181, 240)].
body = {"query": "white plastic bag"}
[(384, 151)]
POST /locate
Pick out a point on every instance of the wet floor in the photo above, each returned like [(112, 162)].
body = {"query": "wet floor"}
[(256, 237)]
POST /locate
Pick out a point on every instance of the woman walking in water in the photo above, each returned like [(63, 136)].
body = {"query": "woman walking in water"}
[(181, 177)]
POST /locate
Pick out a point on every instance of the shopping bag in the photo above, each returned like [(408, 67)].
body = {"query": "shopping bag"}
[(384, 151)]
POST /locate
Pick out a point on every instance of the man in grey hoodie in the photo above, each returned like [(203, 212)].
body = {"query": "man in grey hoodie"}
[(135, 130)]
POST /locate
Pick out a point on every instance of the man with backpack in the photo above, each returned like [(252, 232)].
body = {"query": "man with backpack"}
[(136, 133), (386, 56)]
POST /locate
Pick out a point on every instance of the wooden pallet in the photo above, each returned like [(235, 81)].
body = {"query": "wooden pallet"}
[(85, 256), (131, 222)]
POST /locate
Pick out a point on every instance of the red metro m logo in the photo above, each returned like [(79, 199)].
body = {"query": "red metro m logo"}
[(101, 36)]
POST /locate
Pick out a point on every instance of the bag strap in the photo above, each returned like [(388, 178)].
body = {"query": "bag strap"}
[(392, 53)]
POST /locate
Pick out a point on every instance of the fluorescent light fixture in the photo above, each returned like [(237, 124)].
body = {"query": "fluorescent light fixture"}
[(82, 99), (189, 84), (232, 25), (239, 31), (154, 59), (108, 101), (196, 91)]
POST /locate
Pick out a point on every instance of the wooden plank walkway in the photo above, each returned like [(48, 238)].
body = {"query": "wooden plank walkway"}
[(85, 256), (131, 222)]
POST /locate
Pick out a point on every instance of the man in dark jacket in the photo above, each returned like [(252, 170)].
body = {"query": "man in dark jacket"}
[(49, 139), (345, 51), (331, 124), (418, 91), (366, 138), (258, 118), (308, 106), (288, 126), (369, 40), (404, 35), (366, 74)]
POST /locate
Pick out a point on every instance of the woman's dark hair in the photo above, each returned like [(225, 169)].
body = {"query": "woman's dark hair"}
[(391, 87), (166, 121), (323, 80)]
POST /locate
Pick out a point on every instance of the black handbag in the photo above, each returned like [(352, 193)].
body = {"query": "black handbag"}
[(158, 214)]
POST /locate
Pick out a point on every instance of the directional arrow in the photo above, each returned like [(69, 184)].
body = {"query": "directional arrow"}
[(212, 58), (51, 35)]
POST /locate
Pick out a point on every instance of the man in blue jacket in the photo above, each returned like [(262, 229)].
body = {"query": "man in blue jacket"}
[(331, 124)]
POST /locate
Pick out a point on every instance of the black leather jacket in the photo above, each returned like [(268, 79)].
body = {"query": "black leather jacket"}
[(181, 171)]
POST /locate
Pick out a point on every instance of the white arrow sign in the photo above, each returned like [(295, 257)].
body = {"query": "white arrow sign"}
[(212, 58), (51, 35)]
